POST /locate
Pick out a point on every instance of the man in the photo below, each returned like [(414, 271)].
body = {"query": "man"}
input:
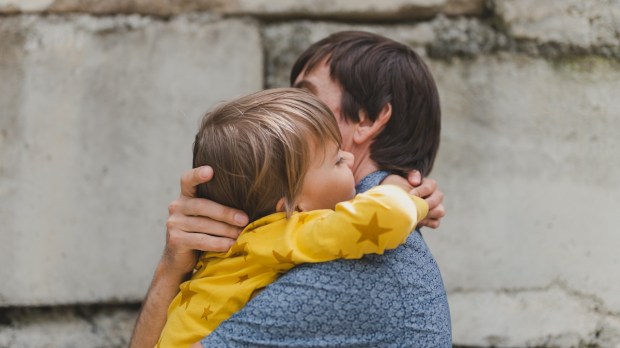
[(387, 108)]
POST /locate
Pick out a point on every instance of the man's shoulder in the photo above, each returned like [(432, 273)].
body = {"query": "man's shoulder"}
[(408, 267), (343, 270), (313, 305)]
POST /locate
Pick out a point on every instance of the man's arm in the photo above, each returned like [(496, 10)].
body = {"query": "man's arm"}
[(152, 317), (193, 224)]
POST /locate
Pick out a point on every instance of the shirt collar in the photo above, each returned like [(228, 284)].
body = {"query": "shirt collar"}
[(371, 180)]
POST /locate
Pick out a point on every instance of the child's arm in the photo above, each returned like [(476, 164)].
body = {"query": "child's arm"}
[(379, 219), (425, 188)]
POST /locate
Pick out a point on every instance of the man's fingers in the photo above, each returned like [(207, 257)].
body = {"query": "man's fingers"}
[(199, 224), (213, 210), (183, 242), (205, 242), (193, 177)]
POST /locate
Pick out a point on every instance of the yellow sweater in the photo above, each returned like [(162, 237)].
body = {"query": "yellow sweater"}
[(379, 219)]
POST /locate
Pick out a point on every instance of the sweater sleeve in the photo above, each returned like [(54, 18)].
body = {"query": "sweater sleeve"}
[(381, 218)]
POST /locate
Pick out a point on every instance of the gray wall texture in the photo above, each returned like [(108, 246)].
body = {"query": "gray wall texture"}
[(99, 101)]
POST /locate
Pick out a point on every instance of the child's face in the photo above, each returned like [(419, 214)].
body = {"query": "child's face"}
[(329, 180)]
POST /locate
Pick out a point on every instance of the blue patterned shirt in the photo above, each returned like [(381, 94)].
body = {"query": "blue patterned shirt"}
[(392, 300)]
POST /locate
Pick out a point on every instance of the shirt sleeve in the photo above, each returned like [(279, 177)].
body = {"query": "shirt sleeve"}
[(380, 219)]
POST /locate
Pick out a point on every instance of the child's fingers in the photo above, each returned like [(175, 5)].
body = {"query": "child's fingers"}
[(434, 199), (414, 177), (437, 213), (426, 188), (436, 210), (429, 223)]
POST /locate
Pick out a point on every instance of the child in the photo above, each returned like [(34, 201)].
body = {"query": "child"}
[(276, 156)]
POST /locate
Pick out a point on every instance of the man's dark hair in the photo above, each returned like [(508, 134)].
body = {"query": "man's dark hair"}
[(373, 71)]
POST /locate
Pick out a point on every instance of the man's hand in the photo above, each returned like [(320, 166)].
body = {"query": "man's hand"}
[(198, 224), (193, 225), (428, 190)]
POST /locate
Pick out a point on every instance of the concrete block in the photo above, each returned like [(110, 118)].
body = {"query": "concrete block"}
[(465, 37), (64, 326), (544, 317), (365, 9), (145, 7), (360, 10), (285, 41), (98, 117), (576, 23), (14, 6), (357, 10), (530, 167), (463, 7)]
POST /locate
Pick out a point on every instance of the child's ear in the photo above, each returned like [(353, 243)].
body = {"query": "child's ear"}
[(367, 129), (281, 205)]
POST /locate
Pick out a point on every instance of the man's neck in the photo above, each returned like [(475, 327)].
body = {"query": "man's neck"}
[(363, 167)]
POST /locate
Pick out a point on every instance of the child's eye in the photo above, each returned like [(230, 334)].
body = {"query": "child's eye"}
[(340, 160)]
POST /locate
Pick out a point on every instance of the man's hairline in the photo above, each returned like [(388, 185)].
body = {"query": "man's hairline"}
[(306, 84)]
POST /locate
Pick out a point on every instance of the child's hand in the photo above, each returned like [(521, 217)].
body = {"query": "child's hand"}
[(427, 188), (397, 180), (196, 345)]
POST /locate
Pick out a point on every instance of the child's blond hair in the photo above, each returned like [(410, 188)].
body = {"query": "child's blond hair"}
[(260, 147)]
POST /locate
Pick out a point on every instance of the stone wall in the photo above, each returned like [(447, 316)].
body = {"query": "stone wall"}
[(99, 102)]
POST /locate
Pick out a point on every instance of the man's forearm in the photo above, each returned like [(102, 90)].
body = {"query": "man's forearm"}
[(152, 317)]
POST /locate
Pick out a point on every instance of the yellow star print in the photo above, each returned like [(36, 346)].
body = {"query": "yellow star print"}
[(239, 249), (186, 295), (284, 259), (206, 313), (371, 231)]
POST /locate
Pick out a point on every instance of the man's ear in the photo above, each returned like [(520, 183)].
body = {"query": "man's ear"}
[(367, 129)]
